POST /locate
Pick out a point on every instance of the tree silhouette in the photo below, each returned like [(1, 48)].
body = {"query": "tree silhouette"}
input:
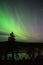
[(12, 37), (11, 41)]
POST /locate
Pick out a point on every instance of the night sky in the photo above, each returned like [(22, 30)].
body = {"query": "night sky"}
[(22, 17)]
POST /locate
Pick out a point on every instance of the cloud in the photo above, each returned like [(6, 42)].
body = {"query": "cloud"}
[(2, 33)]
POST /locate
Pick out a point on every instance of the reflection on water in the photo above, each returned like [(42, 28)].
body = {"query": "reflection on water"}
[(17, 56), (23, 55)]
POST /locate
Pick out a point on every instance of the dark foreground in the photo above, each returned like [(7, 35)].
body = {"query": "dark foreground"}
[(23, 62), (6, 48)]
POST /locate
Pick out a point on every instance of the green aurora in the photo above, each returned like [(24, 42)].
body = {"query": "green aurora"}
[(8, 24), (17, 17)]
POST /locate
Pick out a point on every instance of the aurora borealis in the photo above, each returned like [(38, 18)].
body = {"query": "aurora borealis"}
[(23, 18)]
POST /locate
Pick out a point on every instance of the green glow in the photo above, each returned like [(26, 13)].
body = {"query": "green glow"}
[(9, 24), (14, 21)]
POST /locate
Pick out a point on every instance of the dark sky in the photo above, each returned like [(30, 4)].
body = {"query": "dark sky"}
[(23, 17)]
